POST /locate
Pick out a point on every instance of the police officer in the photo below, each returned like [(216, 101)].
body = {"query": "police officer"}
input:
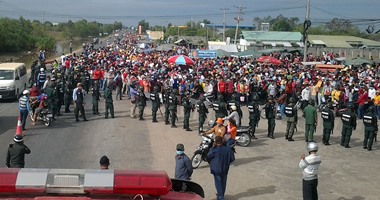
[(370, 128), (202, 111), (16, 153), (95, 98), (311, 120), (187, 108), (68, 95), (220, 108), (155, 98), (166, 102), (254, 114), (142, 102), (349, 123), (109, 101), (52, 97), (328, 123), (270, 114), (41, 78), (173, 102), (292, 119), (60, 90), (234, 102)]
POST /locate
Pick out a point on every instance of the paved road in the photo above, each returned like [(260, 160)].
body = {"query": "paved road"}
[(267, 169)]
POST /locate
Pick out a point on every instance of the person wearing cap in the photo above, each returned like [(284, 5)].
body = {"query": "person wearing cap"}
[(310, 166), (183, 167), (24, 105), (16, 153), (220, 157), (78, 98), (104, 162), (219, 129)]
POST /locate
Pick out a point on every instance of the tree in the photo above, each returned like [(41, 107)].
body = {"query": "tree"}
[(144, 25)]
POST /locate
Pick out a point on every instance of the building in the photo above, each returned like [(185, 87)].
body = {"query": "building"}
[(271, 39)]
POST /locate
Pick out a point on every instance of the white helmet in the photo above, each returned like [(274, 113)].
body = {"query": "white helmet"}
[(233, 108), (42, 69), (312, 146), (25, 92)]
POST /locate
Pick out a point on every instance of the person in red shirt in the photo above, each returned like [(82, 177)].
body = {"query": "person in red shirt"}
[(222, 88), (230, 89), (363, 99)]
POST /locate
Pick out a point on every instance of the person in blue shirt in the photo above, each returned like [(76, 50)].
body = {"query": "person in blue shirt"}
[(183, 167), (24, 105)]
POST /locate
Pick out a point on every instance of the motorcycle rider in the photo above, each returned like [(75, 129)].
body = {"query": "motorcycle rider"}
[(328, 117), (42, 99), (270, 114), (220, 108), (349, 124), (254, 114), (292, 119), (370, 128), (234, 102), (233, 115), (219, 129), (187, 107), (155, 98), (173, 102), (202, 110)]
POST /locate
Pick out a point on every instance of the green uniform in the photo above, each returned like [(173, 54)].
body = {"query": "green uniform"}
[(254, 116), (16, 155), (187, 107), (52, 98), (291, 120), (328, 124), (109, 103), (202, 111), (370, 129), (310, 113), (220, 109), (68, 96), (60, 90), (95, 99), (349, 123), (167, 111), (155, 98), (142, 104), (270, 113), (173, 102)]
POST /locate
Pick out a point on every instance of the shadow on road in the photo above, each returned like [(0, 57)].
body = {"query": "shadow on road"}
[(7, 122), (242, 161), (353, 198), (253, 192)]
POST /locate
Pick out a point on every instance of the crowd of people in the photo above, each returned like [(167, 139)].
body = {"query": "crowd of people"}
[(223, 84)]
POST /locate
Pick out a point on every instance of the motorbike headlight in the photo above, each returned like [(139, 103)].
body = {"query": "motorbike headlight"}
[(12, 87)]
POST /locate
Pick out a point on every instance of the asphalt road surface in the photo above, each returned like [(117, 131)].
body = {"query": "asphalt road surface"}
[(267, 169)]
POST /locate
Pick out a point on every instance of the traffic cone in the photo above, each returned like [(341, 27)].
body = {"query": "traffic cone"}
[(19, 127)]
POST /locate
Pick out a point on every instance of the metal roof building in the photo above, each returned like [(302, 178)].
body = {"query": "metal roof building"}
[(339, 41), (272, 38)]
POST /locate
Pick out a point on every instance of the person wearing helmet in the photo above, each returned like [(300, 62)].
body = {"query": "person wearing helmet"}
[(311, 120), (328, 118), (292, 119), (166, 96), (155, 98), (187, 107), (24, 105), (349, 124), (370, 128), (173, 102), (270, 113), (142, 102), (202, 111), (16, 153), (234, 102), (310, 166), (41, 78), (233, 115), (254, 114)]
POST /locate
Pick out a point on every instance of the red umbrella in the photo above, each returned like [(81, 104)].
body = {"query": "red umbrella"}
[(268, 59), (180, 60)]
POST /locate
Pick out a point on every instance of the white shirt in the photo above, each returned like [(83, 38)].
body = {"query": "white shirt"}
[(306, 94)]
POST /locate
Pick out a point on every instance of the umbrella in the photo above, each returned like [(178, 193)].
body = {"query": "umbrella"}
[(268, 59), (359, 61), (180, 60)]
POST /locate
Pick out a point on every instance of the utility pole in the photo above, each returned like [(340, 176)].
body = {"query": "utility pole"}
[(306, 34), (238, 19), (224, 23)]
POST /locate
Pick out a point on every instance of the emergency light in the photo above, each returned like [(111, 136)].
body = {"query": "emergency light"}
[(83, 181)]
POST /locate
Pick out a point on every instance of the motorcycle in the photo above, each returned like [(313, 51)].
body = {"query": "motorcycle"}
[(44, 116)]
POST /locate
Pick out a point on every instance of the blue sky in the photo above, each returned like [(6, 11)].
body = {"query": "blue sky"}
[(177, 12)]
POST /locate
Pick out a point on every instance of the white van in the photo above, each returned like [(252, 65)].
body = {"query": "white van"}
[(13, 80)]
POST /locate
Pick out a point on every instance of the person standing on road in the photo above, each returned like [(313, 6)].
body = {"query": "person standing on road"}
[(310, 165), (118, 80), (78, 98), (133, 91), (95, 98), (173, 102), (155, 98), (270, 113), (220, 108), (166, 102), (220, 158), (292, 119), (187, 107), (104, 162), (109, 101), (311, 120), (370, 128), (202, 111), (254, 114), (60, 90), (142, 102), (183, 167), (68, 95), (16, 153), (349, 124), (328, 123), (23, 104)]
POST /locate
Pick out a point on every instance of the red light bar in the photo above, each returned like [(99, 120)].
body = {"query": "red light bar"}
[(8, 180), (154, 183)]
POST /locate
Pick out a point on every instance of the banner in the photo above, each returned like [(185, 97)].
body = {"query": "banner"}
[(203, 54)]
